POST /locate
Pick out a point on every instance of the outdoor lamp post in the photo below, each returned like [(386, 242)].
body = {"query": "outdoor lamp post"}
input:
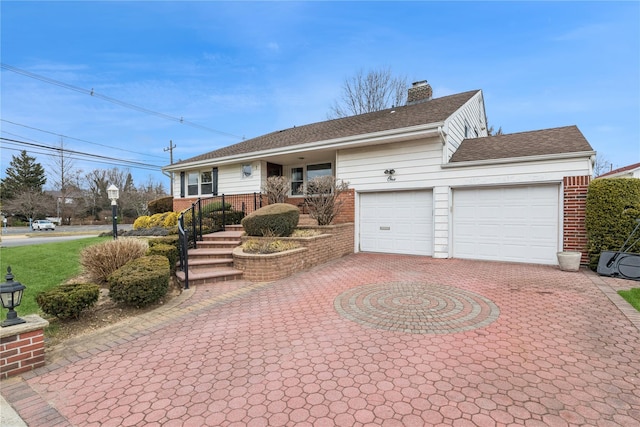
[(113, 193), (11, 296)]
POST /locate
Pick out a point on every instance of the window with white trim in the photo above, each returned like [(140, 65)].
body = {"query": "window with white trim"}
[(301, 175), (297, 181), (247, 170), (192, 183), (206, 183)]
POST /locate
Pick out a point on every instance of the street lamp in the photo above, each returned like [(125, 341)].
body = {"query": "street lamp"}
[(11, 296), (113, 193)]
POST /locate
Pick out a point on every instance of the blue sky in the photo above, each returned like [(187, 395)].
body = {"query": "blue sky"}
[(242, 69)]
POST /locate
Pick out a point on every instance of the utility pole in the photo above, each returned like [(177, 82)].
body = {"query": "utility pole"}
[(170, 150)]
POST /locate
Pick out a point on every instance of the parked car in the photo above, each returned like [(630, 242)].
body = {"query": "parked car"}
[(43, 224)]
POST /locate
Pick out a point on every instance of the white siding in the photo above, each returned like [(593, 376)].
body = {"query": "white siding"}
[(231, 181), (414, 161), (470, 114), (441, 197)]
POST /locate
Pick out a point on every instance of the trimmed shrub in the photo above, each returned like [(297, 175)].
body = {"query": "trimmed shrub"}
[(171, 220), (69, 300), (141, 222), (166, 250), (99, 261), (168, 240), (230, 217), (215, 207), (612, 207), (160, 205), (279, 220), (140, 282), (157, 220)]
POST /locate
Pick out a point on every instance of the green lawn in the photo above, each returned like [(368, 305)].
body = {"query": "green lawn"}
[(42, 267), (632, 296)]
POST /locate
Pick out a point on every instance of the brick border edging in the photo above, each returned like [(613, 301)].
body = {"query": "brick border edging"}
[(625, 308)]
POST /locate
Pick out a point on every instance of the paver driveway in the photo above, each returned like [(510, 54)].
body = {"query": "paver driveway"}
[(365, 340)]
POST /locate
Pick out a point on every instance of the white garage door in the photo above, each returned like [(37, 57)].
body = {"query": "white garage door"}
[(397, 222), (517, 224)]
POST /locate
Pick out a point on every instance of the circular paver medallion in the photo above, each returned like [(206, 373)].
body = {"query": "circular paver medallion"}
[(416, 308)]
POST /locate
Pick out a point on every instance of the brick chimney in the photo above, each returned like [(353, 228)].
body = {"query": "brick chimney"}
[(419, 92)]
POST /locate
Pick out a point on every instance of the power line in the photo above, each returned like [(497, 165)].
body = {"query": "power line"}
[(79, 153), (102, 162), (124, 104), (78, 139)]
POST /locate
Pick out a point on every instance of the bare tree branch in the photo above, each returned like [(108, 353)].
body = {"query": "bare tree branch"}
[(375, 91)]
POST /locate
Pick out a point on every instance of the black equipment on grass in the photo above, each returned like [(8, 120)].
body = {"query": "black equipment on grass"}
[(622, 264)]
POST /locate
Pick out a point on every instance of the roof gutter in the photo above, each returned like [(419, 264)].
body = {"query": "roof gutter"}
[(488, 162), (384, 137)]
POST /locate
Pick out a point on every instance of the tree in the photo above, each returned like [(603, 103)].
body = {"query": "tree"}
[(277, 189), (375, 91), (22, 175), (29, 204), (602, 165), (66, 180), (492, 132)]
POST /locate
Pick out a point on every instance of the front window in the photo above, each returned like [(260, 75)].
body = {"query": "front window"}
[(315, 171), (302, 175), (246, 170), (192, 184), (297, 182), (206, 183)]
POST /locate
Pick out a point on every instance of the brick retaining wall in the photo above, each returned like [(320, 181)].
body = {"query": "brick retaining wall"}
[(22, 346), (336, 242)]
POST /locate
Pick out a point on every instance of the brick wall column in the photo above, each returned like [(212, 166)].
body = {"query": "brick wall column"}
[(22, 346), (575, 200)]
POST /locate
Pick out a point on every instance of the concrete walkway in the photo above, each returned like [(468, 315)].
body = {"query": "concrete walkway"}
[(365, 340)]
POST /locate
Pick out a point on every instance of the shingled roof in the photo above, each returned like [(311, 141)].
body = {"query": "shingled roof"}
[(433, 111), (621, 170), (567, 139)]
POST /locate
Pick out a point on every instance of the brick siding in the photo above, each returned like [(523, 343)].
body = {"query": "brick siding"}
[(575, 199)]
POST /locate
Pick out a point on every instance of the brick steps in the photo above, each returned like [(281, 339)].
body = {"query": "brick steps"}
[(212, 261)]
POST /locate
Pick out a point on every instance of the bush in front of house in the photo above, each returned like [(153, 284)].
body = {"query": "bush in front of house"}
[(612, 206), (322, 197), (166, 240), (166, 250), (230, 217), (69, 300), (141, 222), (99, 261), (140, 282), (160, 205), (277, 220), (215, 207)]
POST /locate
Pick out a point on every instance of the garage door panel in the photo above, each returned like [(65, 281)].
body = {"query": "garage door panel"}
[(507, 223), (397, 222)]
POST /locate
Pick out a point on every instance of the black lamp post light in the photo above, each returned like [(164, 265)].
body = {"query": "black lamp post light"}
[(113, 193), (11, 296)]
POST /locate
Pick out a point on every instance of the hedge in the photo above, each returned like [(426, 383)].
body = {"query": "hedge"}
[(69, 300), (612, 206), (140, 282), (276, 220)]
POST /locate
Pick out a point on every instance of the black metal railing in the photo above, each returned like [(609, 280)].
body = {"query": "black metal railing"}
[(208, 215)]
